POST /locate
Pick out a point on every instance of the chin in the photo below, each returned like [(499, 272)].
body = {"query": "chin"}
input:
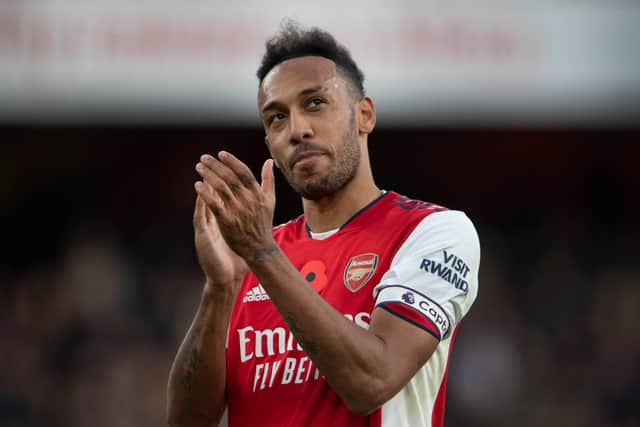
[(316, 185), (307, 177), (311, 189)]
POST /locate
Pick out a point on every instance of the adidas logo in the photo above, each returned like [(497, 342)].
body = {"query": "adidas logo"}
[(256, 294)]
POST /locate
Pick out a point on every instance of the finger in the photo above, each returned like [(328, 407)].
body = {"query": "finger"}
[(209, 215), (268, 182), (223, 171), (199, 220), (240, 169), (210, 198), (211, 173)]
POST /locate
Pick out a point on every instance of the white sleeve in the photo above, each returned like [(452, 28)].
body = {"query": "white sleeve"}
[(433, 278)]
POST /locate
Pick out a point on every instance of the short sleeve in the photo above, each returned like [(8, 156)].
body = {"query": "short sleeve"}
[(433, 278)]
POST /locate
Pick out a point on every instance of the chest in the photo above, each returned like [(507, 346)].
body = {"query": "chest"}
[(343, 270)]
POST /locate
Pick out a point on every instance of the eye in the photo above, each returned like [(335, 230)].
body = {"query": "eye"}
[(315, 102), (275, 118)]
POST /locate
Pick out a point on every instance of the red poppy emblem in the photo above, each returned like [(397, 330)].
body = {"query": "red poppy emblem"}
[(359, 270), (315, 272)]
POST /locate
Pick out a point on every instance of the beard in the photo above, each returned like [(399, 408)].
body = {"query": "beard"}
[(347, 158)]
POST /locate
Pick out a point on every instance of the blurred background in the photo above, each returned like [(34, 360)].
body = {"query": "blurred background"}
[(526, 116)]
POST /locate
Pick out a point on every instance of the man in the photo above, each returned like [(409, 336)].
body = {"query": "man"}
[(344, 316)]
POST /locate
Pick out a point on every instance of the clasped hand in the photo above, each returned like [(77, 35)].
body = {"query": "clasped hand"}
[(242, 207)]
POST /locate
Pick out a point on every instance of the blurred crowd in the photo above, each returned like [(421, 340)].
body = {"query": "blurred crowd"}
[(553, 339), (88, 334)]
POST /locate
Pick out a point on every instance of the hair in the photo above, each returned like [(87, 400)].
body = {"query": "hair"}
[(293, 41)]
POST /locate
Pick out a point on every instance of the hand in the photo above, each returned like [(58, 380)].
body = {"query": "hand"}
[(243, 208), (222, 267)]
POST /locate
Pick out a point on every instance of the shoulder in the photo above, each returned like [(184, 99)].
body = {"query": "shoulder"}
[(450, 225), (408, 204), (444, 232), (290, 227), (417, 216), (408, 210)]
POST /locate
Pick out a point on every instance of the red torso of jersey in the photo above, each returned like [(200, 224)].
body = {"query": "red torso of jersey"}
[(270, 380)]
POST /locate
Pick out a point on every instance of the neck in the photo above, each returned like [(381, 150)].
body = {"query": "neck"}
[(330, 212)]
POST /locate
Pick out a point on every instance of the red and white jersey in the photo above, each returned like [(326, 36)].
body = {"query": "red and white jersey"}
[(417, 260)]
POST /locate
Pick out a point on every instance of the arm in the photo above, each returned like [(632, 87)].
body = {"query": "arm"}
[(365, 367), (196, 389)]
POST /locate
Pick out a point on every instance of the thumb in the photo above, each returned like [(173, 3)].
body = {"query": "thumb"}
[(268, 183)]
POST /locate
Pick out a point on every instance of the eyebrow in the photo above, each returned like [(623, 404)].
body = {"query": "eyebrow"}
[(272, 104)]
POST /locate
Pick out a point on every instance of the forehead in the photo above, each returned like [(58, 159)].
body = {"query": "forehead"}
[(293, 75)]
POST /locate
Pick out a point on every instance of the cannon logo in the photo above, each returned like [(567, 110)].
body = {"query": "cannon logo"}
[(359, 270)]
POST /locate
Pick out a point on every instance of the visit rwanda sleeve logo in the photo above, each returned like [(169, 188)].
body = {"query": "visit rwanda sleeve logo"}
[(359, 270)]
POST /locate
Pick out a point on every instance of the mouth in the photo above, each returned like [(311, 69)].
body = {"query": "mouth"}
[(304, 158)]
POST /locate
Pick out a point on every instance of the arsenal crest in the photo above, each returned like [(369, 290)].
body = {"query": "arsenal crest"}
[(359, 270)]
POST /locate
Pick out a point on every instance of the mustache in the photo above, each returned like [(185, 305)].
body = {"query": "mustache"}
[(303, 148)]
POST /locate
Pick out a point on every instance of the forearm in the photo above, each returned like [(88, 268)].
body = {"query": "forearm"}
[(196, 389), (351, 358)]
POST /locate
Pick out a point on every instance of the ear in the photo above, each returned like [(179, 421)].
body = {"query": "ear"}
[(366, 112)]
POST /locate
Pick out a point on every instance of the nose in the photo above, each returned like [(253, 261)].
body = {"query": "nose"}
[(300, 127)]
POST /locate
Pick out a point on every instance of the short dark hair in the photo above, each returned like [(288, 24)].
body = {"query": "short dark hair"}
[(293, 41)]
